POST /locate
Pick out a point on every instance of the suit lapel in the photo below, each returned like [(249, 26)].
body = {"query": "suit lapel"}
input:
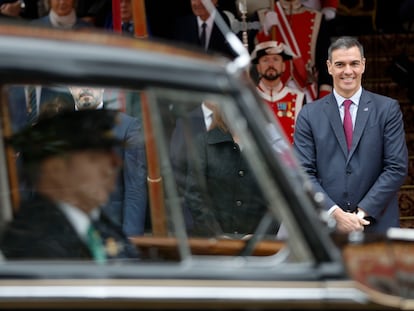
[(212, 44), (193, 31), (217, 39), (332, 112), (66, 237)]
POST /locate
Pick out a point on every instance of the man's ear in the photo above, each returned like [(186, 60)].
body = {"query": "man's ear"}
[(328, 65), (363, 63)]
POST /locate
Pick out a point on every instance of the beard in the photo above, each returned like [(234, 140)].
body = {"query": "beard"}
[(86, 100), (271, 74), (86, 104)]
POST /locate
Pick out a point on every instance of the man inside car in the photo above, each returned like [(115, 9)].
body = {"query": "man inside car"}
[(72, 165)]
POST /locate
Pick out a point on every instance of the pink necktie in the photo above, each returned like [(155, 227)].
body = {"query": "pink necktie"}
[(348, 128)]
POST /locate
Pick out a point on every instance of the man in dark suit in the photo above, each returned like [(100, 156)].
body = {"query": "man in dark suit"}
[(127, 21), (128, 203), (20, 105), (189, 29), (360, 172), (72, 163)]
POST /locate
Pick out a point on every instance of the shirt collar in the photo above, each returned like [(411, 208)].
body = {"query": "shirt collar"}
[(208, 115), (269, 89), (78, 219), (207, 112), (354, 98), (209, 21)]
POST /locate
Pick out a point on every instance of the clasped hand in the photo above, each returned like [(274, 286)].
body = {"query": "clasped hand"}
[(348, 222)]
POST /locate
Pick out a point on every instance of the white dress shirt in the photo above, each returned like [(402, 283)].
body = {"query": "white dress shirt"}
[(353, 108), (78, 219), (208, 115), (210, 22)]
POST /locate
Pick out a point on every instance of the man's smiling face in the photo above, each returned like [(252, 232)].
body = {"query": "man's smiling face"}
[(346, 68)]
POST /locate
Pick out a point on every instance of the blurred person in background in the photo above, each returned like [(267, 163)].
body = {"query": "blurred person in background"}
[(221, 193), (62, 14), (304, 31), (199, 29), (27, 9)]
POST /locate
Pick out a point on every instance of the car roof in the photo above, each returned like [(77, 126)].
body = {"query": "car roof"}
[(84, 52)]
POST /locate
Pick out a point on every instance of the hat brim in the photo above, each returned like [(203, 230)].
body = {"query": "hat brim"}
[(66, 132), (262, 53)]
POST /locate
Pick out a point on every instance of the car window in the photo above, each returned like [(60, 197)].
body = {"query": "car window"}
[(203, 180)]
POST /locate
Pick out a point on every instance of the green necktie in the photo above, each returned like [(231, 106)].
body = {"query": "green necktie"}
[(96, 245)]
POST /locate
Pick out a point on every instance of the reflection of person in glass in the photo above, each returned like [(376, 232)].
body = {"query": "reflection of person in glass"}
[(225, 199), (73, 166), (128, 203)]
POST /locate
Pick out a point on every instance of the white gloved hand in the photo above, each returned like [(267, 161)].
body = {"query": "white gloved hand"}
[(269, 21), (329, 13)]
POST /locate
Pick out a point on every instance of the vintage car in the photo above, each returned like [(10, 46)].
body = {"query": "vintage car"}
[(307, 265)]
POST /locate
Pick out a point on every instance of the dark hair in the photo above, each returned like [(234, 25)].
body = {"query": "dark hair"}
[(345, 43), (57, 105)]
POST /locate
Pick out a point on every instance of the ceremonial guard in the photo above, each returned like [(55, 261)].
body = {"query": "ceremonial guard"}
[(270, 59), (302, 30), (327, 7)]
